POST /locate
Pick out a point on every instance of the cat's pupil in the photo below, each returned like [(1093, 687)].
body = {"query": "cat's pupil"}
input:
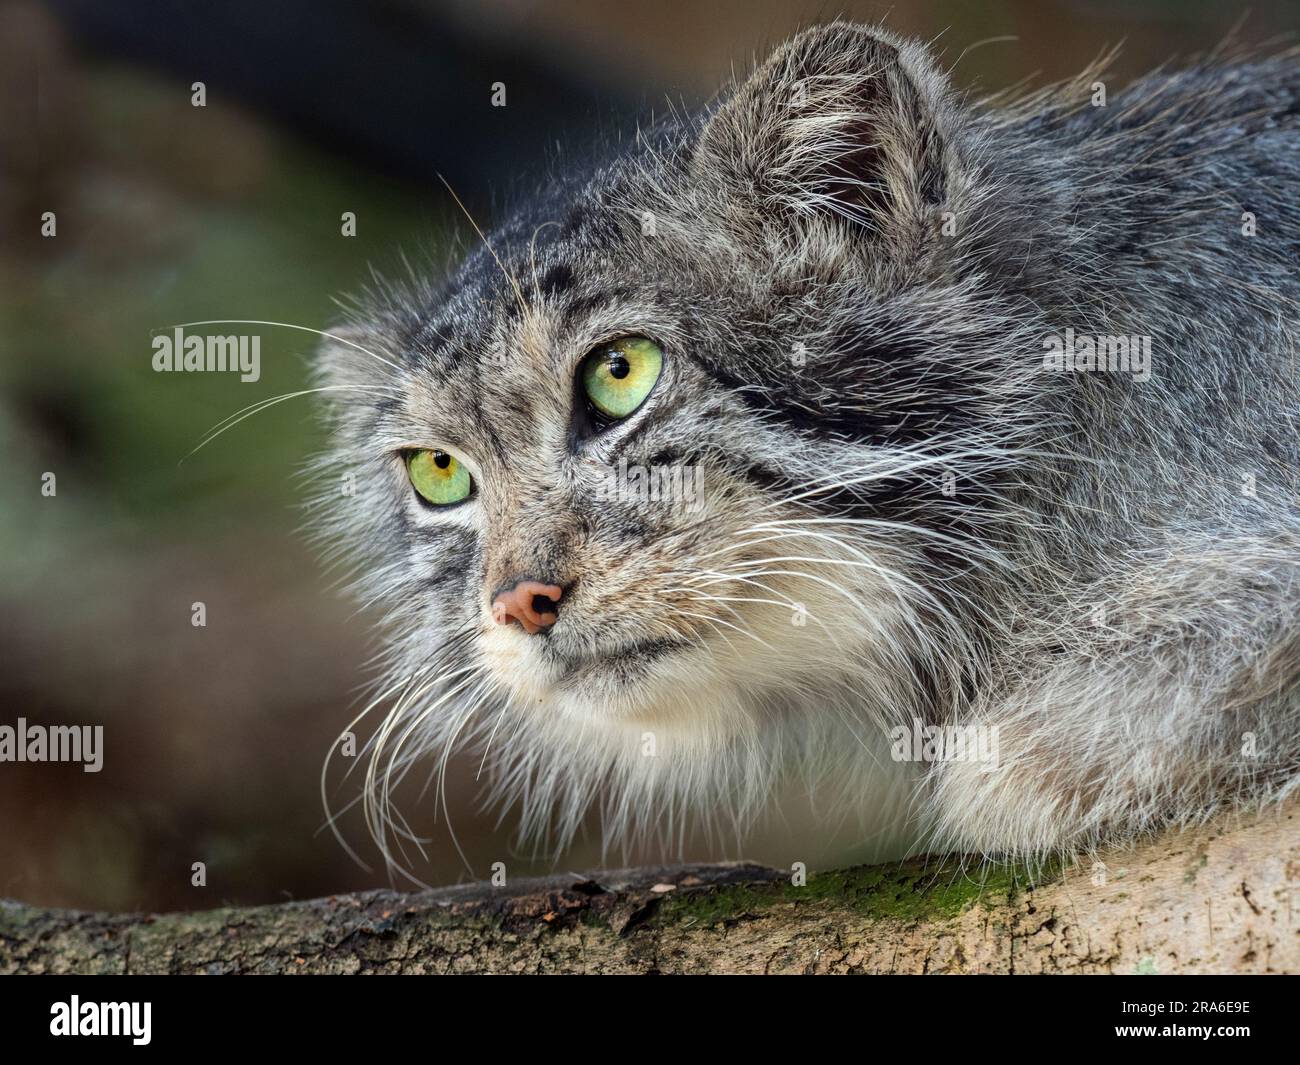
[(441, 459), (619, 367)]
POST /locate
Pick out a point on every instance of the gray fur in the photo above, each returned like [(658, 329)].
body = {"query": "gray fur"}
[(1074, 558)]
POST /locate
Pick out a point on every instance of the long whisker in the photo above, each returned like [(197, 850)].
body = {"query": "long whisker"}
[(331, 818), (380, 811), (263, 404), (513, 281)]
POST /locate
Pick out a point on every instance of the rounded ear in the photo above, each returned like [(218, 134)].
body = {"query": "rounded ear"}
[(841, 120)]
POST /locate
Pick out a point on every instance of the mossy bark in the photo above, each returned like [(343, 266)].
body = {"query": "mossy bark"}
[(1224, 898)]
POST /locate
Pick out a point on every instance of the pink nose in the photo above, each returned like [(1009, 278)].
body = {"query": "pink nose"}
[(533, 604)]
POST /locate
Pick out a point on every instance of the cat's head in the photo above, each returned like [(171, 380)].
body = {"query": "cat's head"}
[(705, 404)]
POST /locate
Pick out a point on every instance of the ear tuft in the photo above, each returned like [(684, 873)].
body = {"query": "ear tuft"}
[(841, 120)]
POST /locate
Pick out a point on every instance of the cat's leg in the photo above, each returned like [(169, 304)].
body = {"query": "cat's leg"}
[(1174, 693)]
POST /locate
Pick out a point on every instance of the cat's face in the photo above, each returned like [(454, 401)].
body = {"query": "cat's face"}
[(582, 424), (706, 395)]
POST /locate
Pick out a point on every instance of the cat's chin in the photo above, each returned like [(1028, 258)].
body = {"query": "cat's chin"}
[(668, 701), (656, 684)]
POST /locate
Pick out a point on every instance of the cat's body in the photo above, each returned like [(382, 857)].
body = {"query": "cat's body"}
[(904, 517)]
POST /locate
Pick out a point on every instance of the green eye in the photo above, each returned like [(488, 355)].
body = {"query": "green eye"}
[(617, 377), (438, 477)]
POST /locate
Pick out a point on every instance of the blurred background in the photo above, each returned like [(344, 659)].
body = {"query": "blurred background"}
[(169, 213)]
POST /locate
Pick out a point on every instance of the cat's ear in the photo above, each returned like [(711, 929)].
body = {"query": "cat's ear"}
[(841, 120)]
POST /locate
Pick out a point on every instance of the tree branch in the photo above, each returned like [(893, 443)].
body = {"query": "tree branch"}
[(1224, 898)]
